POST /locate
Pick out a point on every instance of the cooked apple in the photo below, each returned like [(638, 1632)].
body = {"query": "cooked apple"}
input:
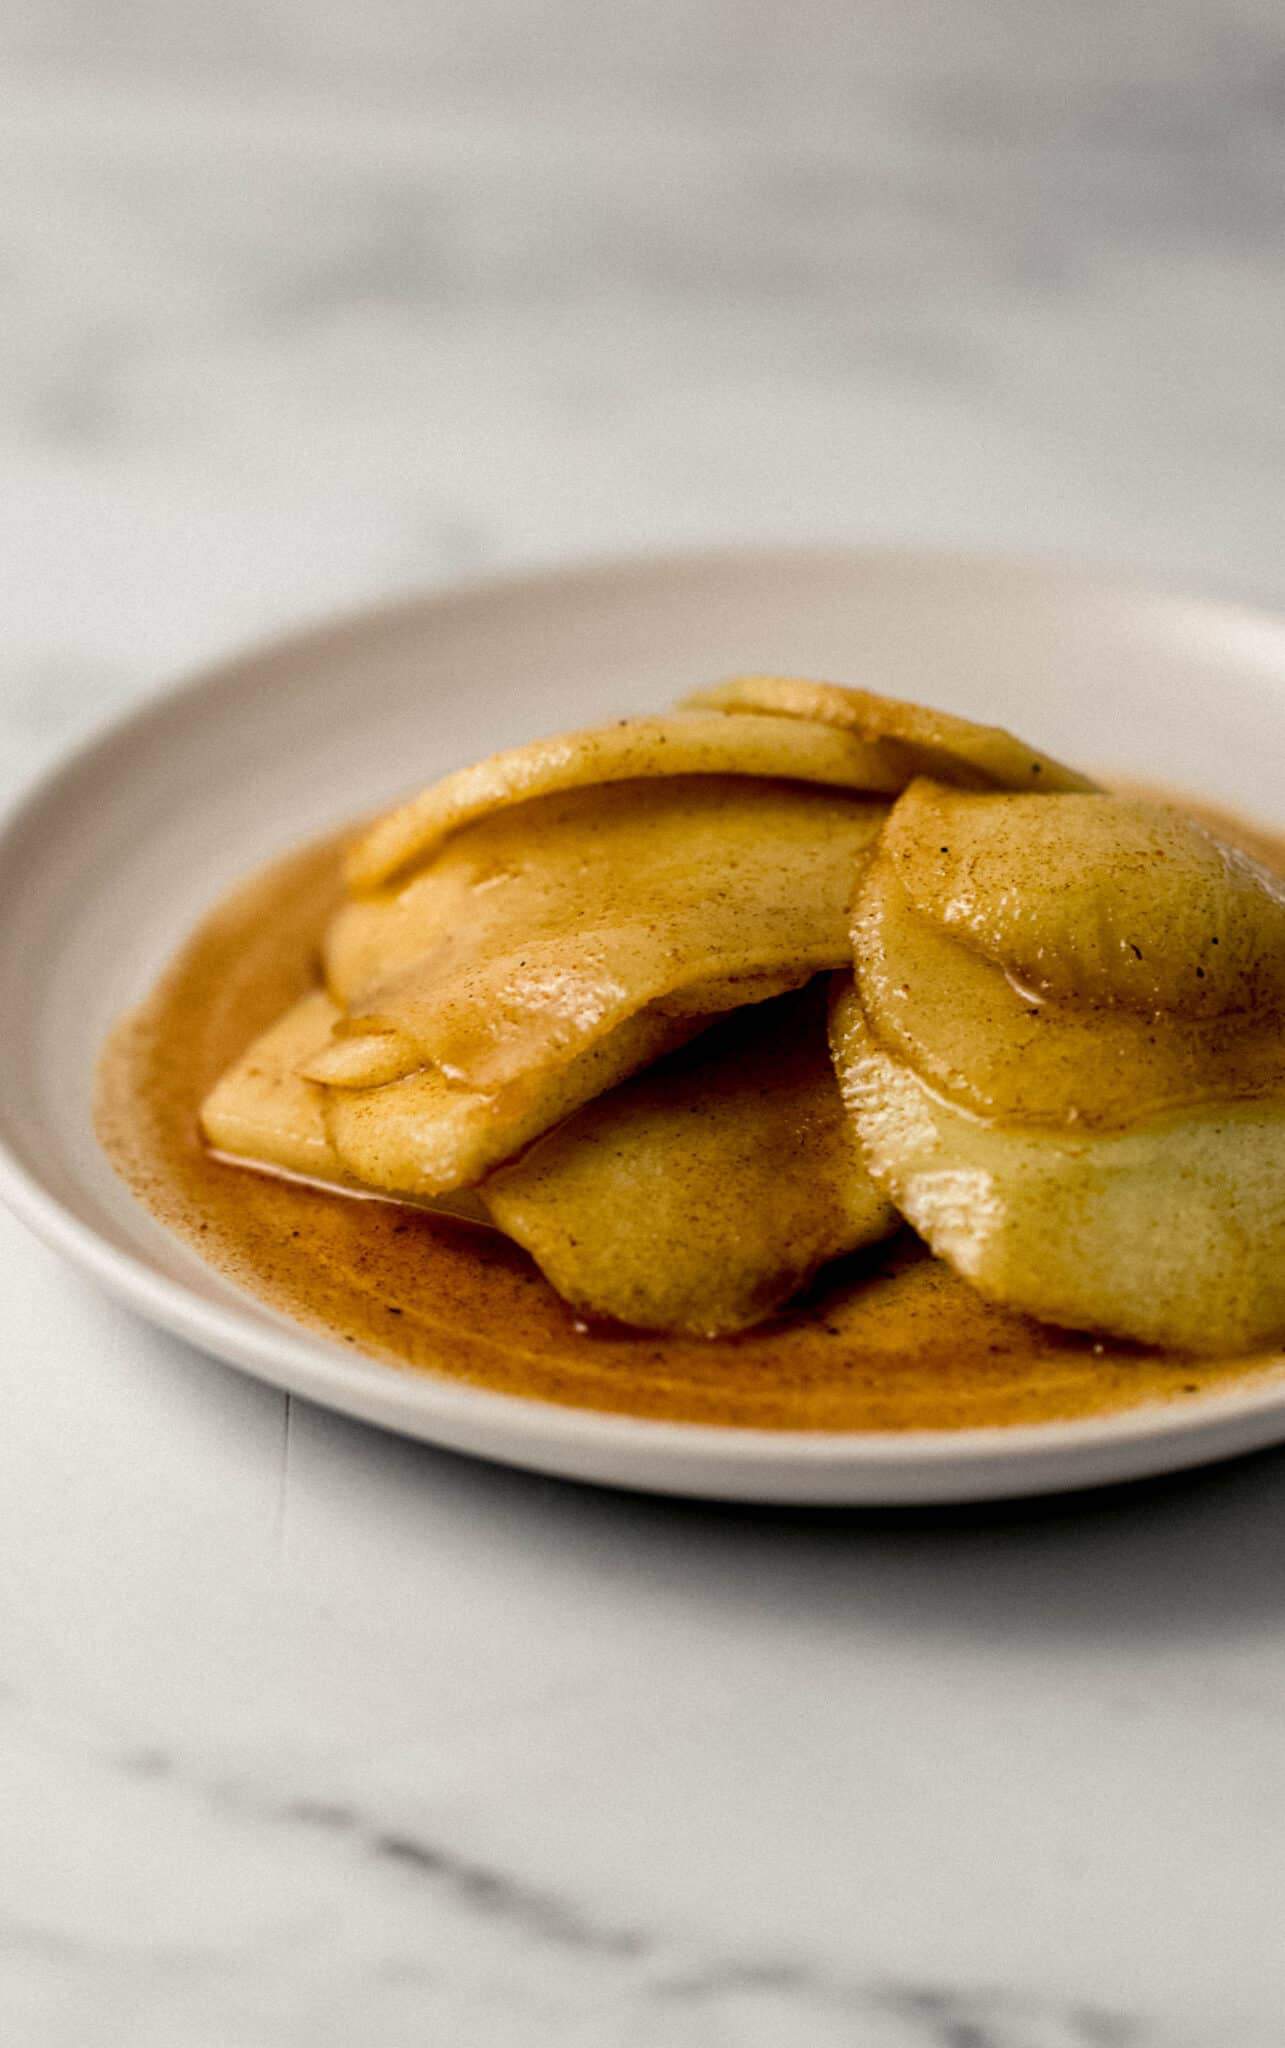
[(704, 1193), (1173, 1233), (1065, 1061), (538, 932), (1107, 902), (633, 749), (263, 1114), (263, 1111), (908, 739), (425, 1135)]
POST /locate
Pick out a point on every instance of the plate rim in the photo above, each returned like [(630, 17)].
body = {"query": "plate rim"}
[(260, 1341)]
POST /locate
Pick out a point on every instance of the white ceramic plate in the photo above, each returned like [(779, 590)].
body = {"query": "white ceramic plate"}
[(106, 866)]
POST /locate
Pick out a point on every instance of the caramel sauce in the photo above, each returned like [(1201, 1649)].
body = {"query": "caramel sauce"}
[(889, 1340)]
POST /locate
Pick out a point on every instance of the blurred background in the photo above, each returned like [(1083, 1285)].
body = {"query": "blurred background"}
[(305, 302)]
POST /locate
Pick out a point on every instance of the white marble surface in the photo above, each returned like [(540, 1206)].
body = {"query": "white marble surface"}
[(309, 1738)]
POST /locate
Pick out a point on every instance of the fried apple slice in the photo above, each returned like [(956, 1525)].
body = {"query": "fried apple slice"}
[(423, 1135), (262, 1111), (537, 933), (1065, 1060), (634, 749), (980, 1029), (909, 739), (263, 1114), (1107, 902), (1172, 1233), (703, 1194), (561, 861)]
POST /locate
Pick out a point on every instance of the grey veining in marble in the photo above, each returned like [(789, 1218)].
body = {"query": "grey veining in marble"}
[(308, 1738), (464, 1944)]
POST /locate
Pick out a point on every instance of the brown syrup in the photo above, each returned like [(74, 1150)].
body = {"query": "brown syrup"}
[(888, 1341)]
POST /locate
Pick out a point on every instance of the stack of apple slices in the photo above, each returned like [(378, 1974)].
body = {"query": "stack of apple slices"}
[(600, 991)]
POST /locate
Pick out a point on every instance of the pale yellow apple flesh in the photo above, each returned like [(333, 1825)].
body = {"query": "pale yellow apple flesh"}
[(909, 739), (1172, 1234), (1106, 901), (633, 749), (703, 1194), (263, 1111), (538, 932), (1086, 1135), (425, 1135), (1001, 1049)]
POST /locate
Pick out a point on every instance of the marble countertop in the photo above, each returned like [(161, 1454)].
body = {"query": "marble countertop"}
[(309, 1737)]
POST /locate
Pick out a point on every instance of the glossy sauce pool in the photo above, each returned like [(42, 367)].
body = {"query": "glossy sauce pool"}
[(889, 1340)]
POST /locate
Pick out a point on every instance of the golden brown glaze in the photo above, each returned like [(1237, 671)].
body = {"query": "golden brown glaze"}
[(890, 1340)]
